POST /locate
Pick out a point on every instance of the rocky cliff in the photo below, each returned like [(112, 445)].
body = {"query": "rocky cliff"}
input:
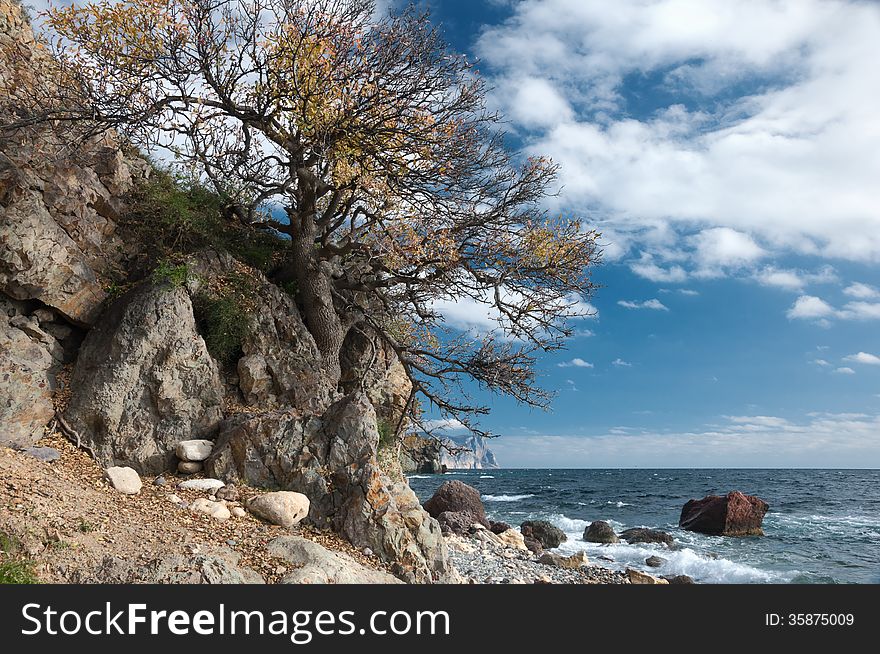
[(467, 453), (203, 347)]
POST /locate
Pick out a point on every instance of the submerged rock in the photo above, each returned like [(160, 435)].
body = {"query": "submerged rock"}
[(734, 514), (600, 532), (654, 561), (645, 535)]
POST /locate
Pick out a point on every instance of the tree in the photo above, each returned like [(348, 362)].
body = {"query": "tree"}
[(397, 190)]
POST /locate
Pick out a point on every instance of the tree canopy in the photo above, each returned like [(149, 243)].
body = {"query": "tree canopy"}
[(369, 145)]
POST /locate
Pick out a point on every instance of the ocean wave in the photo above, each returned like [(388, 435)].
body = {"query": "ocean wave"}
[(418, 476), (505, 498), (685, 561), (618, 504), (840, 525), (486, 477)]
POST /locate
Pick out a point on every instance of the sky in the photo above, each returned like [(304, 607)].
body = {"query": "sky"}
[(729, 153)]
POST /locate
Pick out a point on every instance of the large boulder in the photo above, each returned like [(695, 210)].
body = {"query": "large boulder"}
[(144, 381), (457, 507), (547, 534), (645, 535), (734, 514), (28, 363), (280, 365), (284, 508), (331, 459), (315, 564), (600, 532)]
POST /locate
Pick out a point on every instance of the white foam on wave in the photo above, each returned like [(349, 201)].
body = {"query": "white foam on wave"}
[(505, 498), (841, 525), (418, 476), (686, 560), (618, 504), (486, 477)]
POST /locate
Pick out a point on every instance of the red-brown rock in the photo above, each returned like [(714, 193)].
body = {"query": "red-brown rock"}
[(734, 514), (455, 497)]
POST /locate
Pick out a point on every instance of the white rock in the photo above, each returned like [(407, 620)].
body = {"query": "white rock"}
[(238, 512), (194, 450), (125, 480), (284, 508), (636, 577), (189, 467), (174, 499), (513, 538), (201, 484), (214, 509)]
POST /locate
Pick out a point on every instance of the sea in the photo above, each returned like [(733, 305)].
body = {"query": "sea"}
[(823, 526)]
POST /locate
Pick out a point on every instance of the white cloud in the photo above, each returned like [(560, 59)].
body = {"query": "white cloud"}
[(821, 362), (793, 280), (863, 357), (817, 440), (722, 247), (575, 363), (653, 303), (770, 135), (689, 292), (862, 291), (645, 267), (810, 307), (845, 371), (444, 424), (620, 363)]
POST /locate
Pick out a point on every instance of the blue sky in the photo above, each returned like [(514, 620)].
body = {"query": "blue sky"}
[(730, 154)]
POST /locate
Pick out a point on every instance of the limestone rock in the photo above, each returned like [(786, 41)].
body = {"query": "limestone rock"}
[(281, 365), (467, 453), (125, 480), (206, 485), (144, 381), (315, 564), (189, 467), (284, 508), (331, 458), (216, 510), (600, 532), (636, 577), (734, 514), (513, 538), (27, 381), (46, 454), (194, 450), (218, 565), (238, 512)]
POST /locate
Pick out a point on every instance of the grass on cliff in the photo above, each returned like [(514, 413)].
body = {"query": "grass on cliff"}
[(172, 215), (13, 568)]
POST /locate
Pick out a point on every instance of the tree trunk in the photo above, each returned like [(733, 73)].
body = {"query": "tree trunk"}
[(314, 293)]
